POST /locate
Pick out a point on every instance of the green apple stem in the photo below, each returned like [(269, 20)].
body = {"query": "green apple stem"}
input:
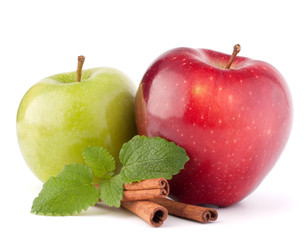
[(236, 50), (81, 60)]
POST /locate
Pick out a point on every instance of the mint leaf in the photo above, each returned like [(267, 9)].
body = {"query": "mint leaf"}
[(145, 157), (99, 160), (111, 191), (71, 191)]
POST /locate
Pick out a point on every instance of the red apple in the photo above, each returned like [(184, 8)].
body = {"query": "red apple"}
[(233, 122)]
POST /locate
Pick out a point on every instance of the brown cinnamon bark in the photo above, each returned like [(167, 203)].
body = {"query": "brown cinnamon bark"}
[(146, 189), (148, 184), (150, 212), (196, 213), (146, 194)]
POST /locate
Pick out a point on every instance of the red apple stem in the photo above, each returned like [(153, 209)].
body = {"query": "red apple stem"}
[(236, 50), (81, 60)]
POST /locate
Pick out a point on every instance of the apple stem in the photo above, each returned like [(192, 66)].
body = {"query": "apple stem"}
[(236, 50), (81, 60)]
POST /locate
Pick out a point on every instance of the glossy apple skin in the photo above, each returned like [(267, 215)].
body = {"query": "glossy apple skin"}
[(233, 123), (58, 117)]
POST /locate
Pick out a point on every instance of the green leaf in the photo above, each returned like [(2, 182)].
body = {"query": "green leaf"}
[(68, 193), (99, 160), (144, 158), (111, 191)]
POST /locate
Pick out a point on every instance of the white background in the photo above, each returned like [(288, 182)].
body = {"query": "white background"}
[(41, 38)]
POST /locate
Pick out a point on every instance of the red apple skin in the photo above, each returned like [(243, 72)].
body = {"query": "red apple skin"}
[(233, 123)]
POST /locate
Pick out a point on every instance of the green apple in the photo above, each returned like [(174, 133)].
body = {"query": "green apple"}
[(59, 116)]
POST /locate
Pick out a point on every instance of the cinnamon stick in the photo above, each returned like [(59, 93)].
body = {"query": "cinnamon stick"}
[(151, 212), (146, 189), (146, 194), (196, 213), (148, 184)]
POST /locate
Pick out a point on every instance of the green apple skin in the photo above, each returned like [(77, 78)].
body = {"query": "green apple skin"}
[(58, 117)]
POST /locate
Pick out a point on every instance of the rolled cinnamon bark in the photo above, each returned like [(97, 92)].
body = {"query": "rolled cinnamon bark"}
[(150, 212), (145, 190), (196, 213), (154, 183), (146, 194)]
